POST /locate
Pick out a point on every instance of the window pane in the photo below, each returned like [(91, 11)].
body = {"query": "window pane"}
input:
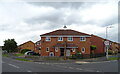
[(70, 38), (56, 49), (82, 38), (47, 38), (47, 49), (83, 50), (60, 38)]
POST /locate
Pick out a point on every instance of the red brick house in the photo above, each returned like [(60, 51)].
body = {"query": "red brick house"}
[(99, 43), (27, 45), (38, 47), (54, 43)]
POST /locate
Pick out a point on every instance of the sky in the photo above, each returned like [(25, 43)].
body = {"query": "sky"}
[(26, 21)]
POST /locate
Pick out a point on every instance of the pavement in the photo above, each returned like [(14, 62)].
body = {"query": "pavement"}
[(90, 60)]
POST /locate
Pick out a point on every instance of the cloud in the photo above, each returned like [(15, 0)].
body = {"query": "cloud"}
[(27, 20)]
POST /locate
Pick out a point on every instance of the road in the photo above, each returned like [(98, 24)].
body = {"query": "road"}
[(11, 65)]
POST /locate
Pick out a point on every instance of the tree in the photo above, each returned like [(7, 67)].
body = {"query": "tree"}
[(10, 45)]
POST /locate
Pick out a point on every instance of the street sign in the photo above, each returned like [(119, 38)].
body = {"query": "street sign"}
[(106, 42)]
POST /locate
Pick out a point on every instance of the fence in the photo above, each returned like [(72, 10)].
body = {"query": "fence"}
[(84, 56), (75, 56)]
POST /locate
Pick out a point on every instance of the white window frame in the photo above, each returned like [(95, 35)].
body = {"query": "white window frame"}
[(82, 50), (48, 49), (60, 38), (38, 43), (70, 37), (81, 39), (73, 49), (39, 48), (56, 48), (48, 38)]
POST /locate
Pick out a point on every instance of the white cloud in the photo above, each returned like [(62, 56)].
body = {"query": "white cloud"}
[(91, 18)]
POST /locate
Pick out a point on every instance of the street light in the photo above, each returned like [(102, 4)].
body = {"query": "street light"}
[(106, 30), (107, 42)]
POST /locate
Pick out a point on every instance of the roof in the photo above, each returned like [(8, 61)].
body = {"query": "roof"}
[(26, 42), (38, 41), (68, 45), (64, 32)]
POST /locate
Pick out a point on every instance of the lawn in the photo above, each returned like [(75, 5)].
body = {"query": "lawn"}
[(113, 58), (19, 54), (21, 59), (5, 55)]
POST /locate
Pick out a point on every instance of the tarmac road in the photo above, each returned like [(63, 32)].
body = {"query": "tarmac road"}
[(11, 65)]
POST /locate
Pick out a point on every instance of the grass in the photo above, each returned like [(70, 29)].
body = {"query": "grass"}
[(20, 59), (113, 58), (19, 54), (5, 55)]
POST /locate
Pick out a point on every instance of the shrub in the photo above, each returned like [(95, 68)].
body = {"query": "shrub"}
[(93, 47), (110, 52), (74, 56), (24, 50)]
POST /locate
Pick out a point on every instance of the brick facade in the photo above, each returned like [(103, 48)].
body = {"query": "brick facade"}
[(99, 43), (27, 45), (76, 44)]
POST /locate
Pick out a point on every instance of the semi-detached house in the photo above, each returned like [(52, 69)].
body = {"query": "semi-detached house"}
[(56, 42)]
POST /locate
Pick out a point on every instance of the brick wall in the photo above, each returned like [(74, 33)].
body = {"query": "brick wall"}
[(54, 41)]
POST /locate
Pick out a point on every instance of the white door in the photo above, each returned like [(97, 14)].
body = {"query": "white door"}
[(67, 52)]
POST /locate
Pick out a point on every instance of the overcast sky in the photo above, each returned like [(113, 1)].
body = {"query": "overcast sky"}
[(26, 21)]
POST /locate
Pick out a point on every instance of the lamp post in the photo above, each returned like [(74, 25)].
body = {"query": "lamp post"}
[(107, 42)]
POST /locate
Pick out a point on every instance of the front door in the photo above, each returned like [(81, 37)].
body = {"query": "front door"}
[(61, 51), (67, 52)]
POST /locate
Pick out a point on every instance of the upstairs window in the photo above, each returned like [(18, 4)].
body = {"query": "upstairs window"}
[(82, 38), (48, 38), (70, 38), (60, 38)]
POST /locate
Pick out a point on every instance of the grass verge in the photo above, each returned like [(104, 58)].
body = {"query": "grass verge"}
[(113, 58), (19, 54), (5, 55), (20, 59)]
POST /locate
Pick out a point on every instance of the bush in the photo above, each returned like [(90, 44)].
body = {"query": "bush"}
[(110, 52), (24, 50), (74, 56), (93, 47)]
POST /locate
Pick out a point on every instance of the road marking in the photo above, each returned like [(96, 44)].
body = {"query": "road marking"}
[(29, 71), (71, 67), (14, 65), (97, 71), (79, 68)]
